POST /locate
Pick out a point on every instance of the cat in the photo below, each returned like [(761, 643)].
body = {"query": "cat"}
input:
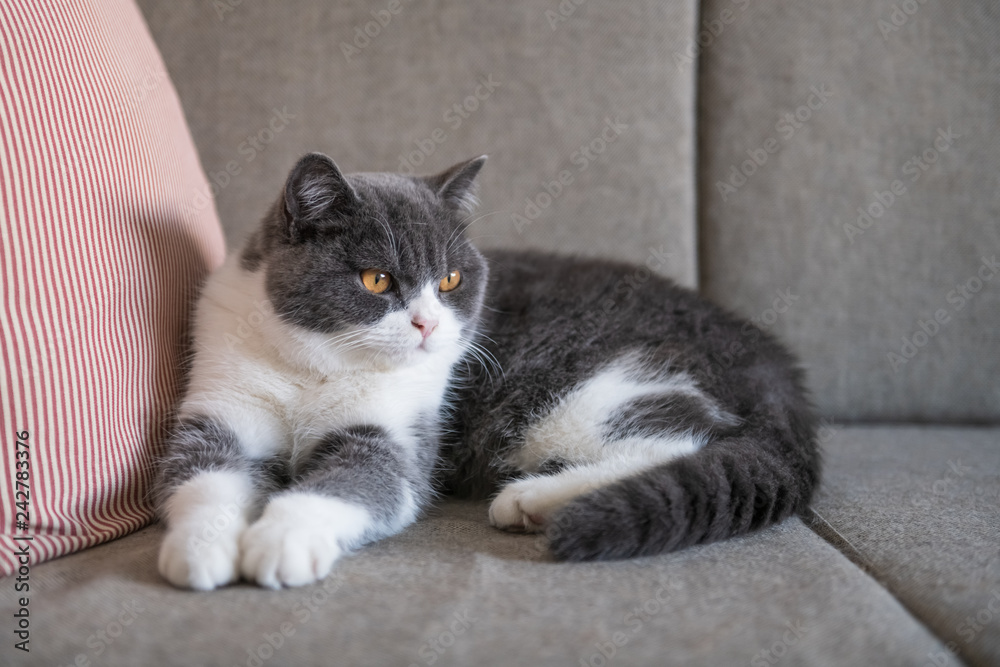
[(358, 355)]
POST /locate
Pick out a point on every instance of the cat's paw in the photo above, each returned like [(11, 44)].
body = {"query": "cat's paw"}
[(276, 554), (298, 539), (527, 504), (193, 558)]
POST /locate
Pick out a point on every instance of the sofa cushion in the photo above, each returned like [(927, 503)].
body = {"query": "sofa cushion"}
[(451, 590), (919, 509), (100, 253), (583, 90), (885, 106)]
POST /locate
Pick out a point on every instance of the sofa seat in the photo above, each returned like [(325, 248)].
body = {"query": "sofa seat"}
[(884, 572), (919, 510)]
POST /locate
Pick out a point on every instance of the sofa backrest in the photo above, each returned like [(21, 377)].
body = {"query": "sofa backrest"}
[(850, 154), (790, 117), (590, 137)]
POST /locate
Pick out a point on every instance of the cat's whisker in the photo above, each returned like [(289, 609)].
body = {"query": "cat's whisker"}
[(464, 226), (482, 335), (484, 236), (351, 335), (486, 359), (342, 340), (388, 231)]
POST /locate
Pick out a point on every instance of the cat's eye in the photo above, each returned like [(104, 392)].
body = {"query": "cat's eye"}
[(376, 281), (450, 281)]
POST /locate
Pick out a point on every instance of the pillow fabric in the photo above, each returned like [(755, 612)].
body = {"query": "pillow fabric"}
[(108, 227)]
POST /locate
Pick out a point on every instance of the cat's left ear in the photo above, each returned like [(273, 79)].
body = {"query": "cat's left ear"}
[(456, 186)]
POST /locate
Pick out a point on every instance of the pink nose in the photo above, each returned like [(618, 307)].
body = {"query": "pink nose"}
[(426, 326)]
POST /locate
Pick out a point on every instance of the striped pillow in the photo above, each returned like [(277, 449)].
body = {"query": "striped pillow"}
[(106, 233)]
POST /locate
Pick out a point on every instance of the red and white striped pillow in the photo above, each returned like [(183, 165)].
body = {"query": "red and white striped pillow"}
[(106, 234)]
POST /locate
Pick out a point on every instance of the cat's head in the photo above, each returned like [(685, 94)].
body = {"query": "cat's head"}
[(377, 264)]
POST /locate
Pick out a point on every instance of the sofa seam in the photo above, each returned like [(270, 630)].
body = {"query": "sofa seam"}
[(825, 531), (696, 144)]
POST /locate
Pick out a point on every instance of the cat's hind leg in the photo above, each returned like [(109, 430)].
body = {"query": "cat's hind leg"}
[(359, 485), (622, 421), (528, 503), (206, 492)]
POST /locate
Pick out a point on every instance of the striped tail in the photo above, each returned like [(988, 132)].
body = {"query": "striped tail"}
[(732, 486)]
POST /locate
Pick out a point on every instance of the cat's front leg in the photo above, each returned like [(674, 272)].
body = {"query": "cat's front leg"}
[(358, 486), (206, 491)]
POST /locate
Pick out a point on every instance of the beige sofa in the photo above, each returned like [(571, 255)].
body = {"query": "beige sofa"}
[(828, 169)]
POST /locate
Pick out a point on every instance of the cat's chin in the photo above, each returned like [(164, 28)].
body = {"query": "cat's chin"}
[(388, 359), (421, 353)]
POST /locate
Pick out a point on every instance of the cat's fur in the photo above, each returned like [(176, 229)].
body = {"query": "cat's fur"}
[(319, 413)]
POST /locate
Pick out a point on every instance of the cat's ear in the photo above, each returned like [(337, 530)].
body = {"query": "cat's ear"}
[(456, 186), (316, 195)]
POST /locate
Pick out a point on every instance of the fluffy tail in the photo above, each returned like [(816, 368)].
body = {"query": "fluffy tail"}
[(730, 487)]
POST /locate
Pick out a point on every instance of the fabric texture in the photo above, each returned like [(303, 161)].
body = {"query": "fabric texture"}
[(451, 590), (585, 92), (811, 111), (897, 565), (100, 254), (918, 508)]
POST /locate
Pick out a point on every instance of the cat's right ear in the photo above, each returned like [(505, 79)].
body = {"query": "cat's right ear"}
[(456, 186), (316, 195)]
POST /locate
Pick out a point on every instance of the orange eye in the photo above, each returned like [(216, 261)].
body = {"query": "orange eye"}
[(450, 282), (376, 281)]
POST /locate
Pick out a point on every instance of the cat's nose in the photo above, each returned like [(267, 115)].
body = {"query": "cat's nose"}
[(426, 326)]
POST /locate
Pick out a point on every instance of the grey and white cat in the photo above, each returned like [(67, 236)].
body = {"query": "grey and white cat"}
[(359, 354)]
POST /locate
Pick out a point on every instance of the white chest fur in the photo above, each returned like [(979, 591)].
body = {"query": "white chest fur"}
[(280, 388)]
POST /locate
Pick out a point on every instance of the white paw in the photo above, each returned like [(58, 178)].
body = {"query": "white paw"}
[(194, 558), (205, 516), (527, 504), (298, 539), (277, 554)]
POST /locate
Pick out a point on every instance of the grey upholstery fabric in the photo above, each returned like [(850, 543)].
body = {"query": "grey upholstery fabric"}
[(888, 95), (919, 509), (595, 78), (453, 591), (901, 549)]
